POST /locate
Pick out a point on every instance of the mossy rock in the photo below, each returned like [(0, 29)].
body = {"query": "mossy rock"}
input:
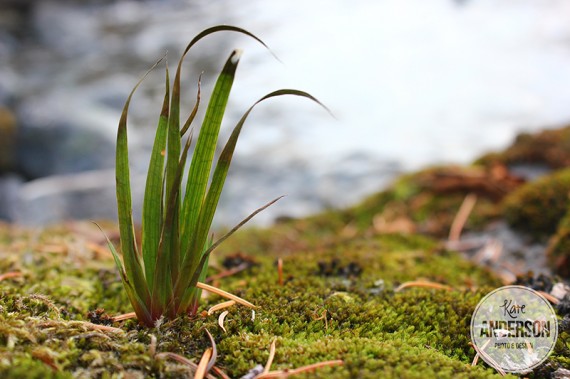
[(357, 318), (538, 206), (549, 147), (422, 202), (415, 333)]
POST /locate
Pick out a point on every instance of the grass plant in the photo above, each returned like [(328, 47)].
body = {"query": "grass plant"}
[(161, 278)]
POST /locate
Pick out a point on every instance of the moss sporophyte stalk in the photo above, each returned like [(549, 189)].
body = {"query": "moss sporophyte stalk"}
[(164, 278)]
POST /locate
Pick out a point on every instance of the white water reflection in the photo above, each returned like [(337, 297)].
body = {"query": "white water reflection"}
[(419, 81), (412, 82)]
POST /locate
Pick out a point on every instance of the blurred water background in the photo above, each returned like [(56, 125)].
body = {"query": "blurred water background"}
[(412, 83)]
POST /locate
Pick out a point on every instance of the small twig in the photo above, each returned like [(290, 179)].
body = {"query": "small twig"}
[(11, 274), (123, 317), (225, 294), (476, 358), (280, 271), (152, 346), (422, 283), (214, 354), (309, 368), (221, 320), (220, 373), (549, 297), (182, 360), (224, 274), (271, 356), (462, 216), (177, 358), (217, 307), (489, 359), (201, 371), (104, 328)]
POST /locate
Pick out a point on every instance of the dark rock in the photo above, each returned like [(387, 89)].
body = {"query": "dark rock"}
[(87, 196), (10, 186), (57, 137)]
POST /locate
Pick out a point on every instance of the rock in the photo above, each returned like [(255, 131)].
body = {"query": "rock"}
[(84, 196), (10, 186), (549, 148), (61, 135)]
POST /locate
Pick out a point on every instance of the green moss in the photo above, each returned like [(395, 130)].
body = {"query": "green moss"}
[(538, 206), (374, 330), (377, 332), (549, 147)]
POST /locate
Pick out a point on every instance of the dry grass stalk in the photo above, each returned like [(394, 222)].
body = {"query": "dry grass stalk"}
[(201, 370), (300, 370), (280, 271), (103, 328), (488, 359), (152, 346), (549, 297), (423, 283), (271, 356), (11, 274), (225, 294), (461, 217), (217, 307), (123, 317), (230, 272), (221, 320)]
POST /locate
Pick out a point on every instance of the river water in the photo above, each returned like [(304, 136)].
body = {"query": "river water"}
[(411, 82)]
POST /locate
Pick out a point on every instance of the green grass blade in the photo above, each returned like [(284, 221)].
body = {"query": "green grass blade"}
[(224, 28), (224, 161), (194, 110), (192, 267), (174, 121), (203, 156), (167, 263), (138, 304), (201, 268), (152, 205), (211, 202), (132, 263)]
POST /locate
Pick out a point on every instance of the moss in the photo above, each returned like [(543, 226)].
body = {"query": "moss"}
[(417, 202), (549, 147), (538, 206), (314, 316), (374, 330)]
